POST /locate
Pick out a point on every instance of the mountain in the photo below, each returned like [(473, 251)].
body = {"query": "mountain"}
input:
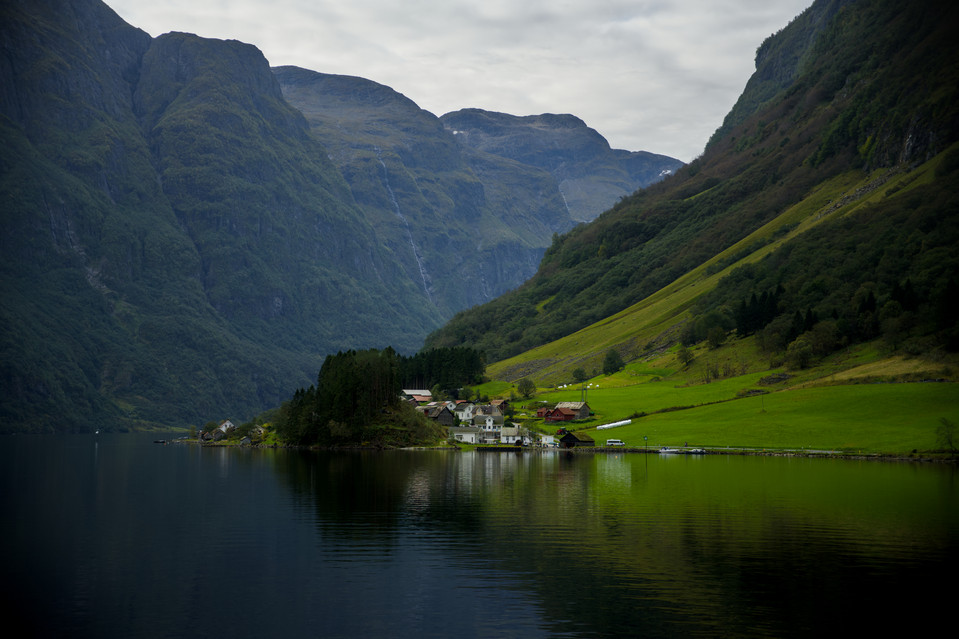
[(465, 226), (188, 232), (469, 207), (590, 175), (829, 195), (178, 245)]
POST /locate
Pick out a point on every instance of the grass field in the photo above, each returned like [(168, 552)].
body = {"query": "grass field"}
[(856, 401), (868, 418)]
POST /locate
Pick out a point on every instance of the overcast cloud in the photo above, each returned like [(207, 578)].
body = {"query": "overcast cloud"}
[(647, 74)]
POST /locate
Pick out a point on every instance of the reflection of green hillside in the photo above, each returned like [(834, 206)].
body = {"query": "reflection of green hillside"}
[(678, 542), (651, 545)]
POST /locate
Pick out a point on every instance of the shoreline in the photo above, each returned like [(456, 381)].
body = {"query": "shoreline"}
[(678, 451)]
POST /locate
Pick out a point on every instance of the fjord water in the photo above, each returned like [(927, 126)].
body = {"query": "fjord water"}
[(117, 536)]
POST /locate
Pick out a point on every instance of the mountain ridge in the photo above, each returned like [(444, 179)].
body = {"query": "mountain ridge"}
[(181, 244), (587, 170), (875, 91)]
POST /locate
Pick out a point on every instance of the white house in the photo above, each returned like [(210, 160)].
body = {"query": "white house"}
[(465, 411), (515, 435), (489, 427), (465, 434)]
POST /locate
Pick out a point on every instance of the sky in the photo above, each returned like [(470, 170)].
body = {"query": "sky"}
[(649, 75)]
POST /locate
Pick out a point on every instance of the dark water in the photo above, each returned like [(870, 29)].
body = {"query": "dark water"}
[(124, 538)]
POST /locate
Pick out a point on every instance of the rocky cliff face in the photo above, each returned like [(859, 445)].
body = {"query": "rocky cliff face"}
[(466, 226), (591, 176)]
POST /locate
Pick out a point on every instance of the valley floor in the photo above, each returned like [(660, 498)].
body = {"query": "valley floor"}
[(860, 401)]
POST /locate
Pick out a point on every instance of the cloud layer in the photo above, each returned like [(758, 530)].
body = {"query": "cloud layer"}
[(647, 74)]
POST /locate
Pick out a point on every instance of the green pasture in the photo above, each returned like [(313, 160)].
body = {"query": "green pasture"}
[(868, 418), (619, 402), (821, 408), (494, 388)]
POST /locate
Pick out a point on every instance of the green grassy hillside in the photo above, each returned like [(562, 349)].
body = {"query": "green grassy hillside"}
[(853, 199), (809, 253), (838, 148)]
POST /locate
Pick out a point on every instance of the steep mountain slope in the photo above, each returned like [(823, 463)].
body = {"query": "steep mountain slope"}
[(834, 147), (177, 246), (466, 226), (590, 174), (182, 244)]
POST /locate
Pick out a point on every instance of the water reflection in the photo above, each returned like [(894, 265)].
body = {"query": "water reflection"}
[(121, 537), (618, 543)]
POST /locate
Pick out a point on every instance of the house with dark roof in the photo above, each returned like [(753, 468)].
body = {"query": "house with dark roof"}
[(576, 440), (490, 427), (438, 413)]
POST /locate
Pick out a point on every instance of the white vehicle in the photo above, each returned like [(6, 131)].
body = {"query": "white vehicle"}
[(615, 442)]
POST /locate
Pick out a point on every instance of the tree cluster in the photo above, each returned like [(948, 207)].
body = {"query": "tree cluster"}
[(756, 312), (353, 390), (357, 396), (449, 368), (612, 362)]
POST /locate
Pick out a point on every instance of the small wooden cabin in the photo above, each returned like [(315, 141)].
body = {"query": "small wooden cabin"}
[(575, 440)]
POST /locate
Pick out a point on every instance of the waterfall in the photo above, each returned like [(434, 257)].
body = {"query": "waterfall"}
[(406, 224)]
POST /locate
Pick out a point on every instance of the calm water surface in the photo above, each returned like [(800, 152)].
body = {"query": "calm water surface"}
[(118, 536)]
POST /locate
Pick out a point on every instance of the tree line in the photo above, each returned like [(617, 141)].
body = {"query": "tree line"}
[(357, 397)]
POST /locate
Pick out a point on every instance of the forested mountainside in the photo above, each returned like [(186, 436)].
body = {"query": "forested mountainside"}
[(834, 178), (590, 175), (179, 246), (174, 238)]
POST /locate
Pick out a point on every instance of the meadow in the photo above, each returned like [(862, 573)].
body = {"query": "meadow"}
[(843, 405)]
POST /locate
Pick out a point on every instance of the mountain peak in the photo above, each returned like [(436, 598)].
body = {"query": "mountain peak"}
[(591, 175)]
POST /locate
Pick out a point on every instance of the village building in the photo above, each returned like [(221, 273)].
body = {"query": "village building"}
[(465, 411), (576, 440), (439, 413), (502, 405), (548, 441), (516, 435), (490, 427), (418, 396), (581, 409), (560, 415), (465, 434), (490, 409)]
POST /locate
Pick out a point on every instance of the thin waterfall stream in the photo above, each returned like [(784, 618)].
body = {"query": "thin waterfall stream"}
[(406, 224)]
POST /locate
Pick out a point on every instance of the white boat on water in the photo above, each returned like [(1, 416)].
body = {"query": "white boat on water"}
[(665, 450)]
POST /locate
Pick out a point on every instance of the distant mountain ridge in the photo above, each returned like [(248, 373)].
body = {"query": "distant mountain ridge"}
[(186, 232), (591, 175), (466, 228)]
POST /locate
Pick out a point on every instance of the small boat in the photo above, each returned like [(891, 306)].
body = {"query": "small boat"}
[(665, 450)]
